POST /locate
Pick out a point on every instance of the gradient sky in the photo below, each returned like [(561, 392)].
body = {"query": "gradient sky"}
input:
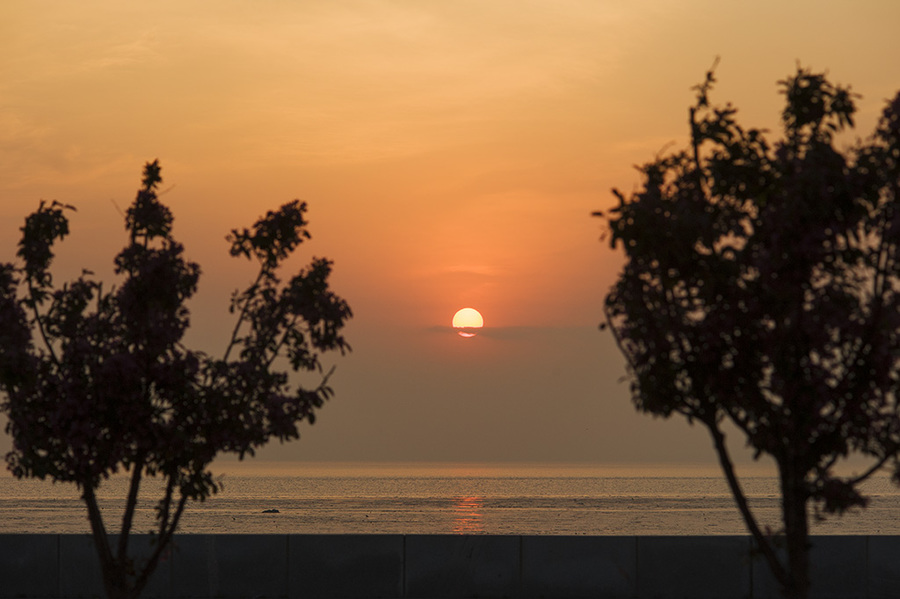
[(451, 153)]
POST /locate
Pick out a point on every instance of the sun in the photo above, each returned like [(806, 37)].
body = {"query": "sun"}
[(466, 321)]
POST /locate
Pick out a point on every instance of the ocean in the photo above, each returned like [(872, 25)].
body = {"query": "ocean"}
[(498, 499)]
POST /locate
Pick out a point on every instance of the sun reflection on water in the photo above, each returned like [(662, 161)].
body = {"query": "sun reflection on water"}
[(467, 514)]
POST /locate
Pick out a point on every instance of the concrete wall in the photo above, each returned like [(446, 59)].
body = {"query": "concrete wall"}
[(452, 566)]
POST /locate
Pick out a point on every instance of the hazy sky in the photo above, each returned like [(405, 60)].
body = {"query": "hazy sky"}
[(451, 153)]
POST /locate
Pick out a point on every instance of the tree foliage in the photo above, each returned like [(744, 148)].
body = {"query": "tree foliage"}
[(762, 288), (97, 380)]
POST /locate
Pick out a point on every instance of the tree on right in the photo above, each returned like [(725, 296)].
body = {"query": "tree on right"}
[(761, 288)]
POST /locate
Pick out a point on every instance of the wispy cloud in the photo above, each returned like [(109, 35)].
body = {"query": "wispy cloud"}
[(521, 333)]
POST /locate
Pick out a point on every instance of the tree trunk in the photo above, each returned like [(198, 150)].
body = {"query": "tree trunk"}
[(794, 499), (115, 571), (118, 588)]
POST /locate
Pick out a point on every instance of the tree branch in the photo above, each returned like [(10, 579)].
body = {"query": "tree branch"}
[(163, 515), (276, 351), (98, 531), (242, 315), (162, 543), (872, 470), (33, 303), (762, 541), (130, 506)]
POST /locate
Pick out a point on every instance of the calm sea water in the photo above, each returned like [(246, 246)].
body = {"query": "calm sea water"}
[(446, 499)]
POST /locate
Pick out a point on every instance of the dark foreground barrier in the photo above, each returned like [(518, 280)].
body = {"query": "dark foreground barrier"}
[(452, 566)]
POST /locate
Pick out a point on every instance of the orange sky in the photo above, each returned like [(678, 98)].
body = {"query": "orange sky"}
[(451, 153)]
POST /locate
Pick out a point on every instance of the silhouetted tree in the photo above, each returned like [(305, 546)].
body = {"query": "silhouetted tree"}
[(97, 381), (761, 288)]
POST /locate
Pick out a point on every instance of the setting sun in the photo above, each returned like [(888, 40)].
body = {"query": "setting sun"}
[(467, 319)]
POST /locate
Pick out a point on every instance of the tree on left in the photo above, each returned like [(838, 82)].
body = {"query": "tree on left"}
[(96, 380)]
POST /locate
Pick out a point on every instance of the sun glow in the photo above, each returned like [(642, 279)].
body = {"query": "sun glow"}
[(466, 321)]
